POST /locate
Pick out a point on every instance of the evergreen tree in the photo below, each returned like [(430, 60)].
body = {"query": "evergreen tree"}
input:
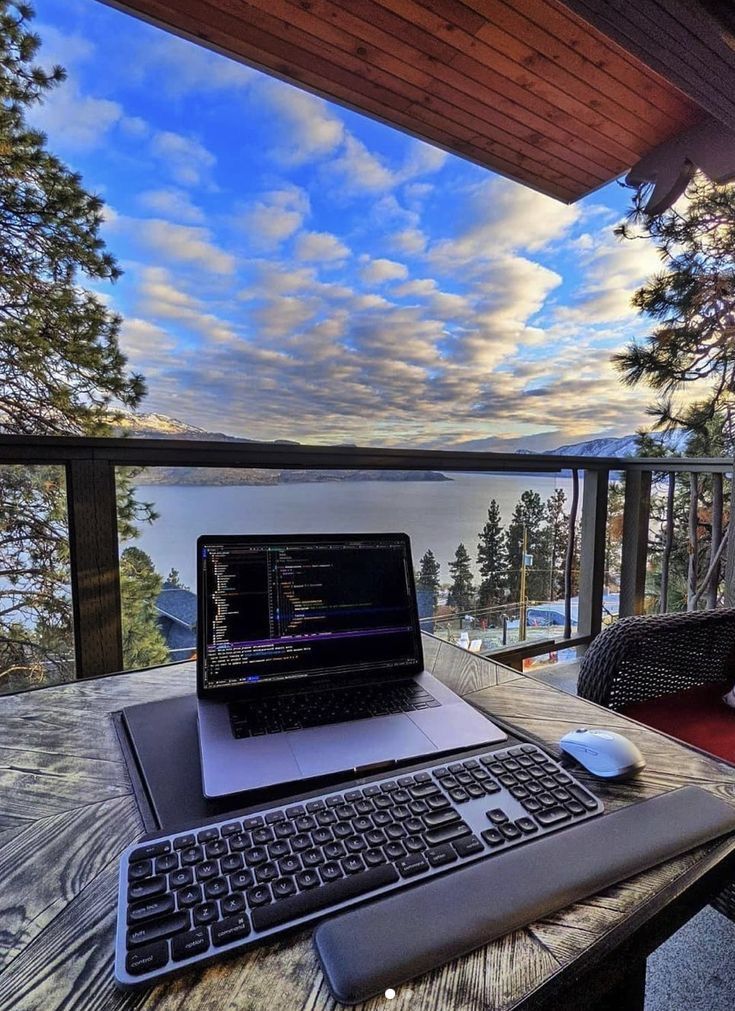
[(555, 539), (462, 590), (428, 575), (692, 304), (492, 561), (140, 584), (61, 369), (173, 579), (529, 512)]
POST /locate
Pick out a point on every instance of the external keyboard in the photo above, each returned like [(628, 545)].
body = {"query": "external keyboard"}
[(192, 896), (319, 708)]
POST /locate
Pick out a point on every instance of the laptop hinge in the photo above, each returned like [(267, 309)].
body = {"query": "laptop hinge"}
[(373, 767)]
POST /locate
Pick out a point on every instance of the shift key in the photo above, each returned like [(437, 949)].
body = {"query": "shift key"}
[(445, 833), (167, 926)]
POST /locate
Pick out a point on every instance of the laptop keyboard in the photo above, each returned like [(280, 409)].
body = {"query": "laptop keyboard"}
[(191, 896), (317, 709)]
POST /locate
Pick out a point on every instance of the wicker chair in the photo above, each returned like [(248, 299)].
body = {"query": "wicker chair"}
[(644, 658)]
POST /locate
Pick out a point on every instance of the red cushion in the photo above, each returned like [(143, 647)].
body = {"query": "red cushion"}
[(697, 716)]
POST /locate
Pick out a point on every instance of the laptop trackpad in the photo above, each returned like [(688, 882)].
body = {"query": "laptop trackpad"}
[(320, 750)]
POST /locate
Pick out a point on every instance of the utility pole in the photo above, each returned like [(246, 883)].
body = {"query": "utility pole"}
[(522, 616)]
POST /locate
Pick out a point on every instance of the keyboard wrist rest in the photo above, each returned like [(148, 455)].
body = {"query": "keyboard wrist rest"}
[(387, 942)]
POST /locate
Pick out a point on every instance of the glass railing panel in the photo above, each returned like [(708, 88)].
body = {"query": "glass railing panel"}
[(36, 623), (438, 511)]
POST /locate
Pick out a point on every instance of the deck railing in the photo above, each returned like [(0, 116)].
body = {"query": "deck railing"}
[(92, 513)]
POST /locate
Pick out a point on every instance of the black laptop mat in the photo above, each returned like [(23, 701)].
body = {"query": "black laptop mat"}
[(161, 750)]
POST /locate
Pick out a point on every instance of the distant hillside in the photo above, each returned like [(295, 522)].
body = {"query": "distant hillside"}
[(624, 445), (160, 426)]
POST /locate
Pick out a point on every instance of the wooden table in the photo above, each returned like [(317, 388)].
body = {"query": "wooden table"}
[(67, 811)]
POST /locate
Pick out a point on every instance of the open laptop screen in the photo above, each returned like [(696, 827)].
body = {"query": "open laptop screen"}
[(277, 609)]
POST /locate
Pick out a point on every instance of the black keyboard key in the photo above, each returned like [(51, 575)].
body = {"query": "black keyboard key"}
[(351, 864), (274, 816), (330, 871), (258, 895), (234, 928), (157, 930), (205, 913), (308, 878), (314, 857), (149, 909), (152, 849), (510, 831), (231, 863), (266, 872), (583, 797), (183, 842), (231, 829), (142, 960), (355, 844), (363, 824), (146, 888), (193, 942), (459, 795), (436, 818), (241, 880), (283, 887), (332, 894), (395, 831), (168, 862), (468, 846), (413, 864), (255, 855), (251, 823), (493, 837), (182, 877), (574, 807), (552, 816), (445, 833), (263, 835), (475, 790), (497, 816), (532, 805), (207, 834), (414, 844), (142, 869), (440, 855), (189, 896), (191, 856), (321, 836), (207, 870), (394, 851), (315, 805), (232, 904), (334, 850), (423, 790), (290, 864), (239, 842), (527, 825), (491, 786), (216, 888), (439, 803), (373, 858)]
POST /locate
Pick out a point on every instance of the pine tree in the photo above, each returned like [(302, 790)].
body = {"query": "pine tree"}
[(462, 590), (492, 561), (555, 540), (140, 584), (529, 512), (428, 575), (173, 580), (692, 304), (61, 368)]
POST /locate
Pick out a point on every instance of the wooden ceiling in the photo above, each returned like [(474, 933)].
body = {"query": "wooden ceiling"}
[(527, 88)]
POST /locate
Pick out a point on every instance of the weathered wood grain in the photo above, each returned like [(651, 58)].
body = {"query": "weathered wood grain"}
[(66, 811)]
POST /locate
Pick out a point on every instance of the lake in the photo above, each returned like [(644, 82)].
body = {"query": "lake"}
[(435, 514)]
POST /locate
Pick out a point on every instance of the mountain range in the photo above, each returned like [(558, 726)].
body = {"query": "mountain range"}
[(160, 426)]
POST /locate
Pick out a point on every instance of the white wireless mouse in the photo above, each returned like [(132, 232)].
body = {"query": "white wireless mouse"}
[(603, 753)]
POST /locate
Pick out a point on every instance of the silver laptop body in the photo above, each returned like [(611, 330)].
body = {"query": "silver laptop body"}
[(287, 622)]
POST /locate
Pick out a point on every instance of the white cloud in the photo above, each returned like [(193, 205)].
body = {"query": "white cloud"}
[(409, 240), (274, 218), (185, 243), (380, 270), (361, 170), (308, 129), (320, 247), (74, 121), (186, 158), (180, 67), (173, 203)]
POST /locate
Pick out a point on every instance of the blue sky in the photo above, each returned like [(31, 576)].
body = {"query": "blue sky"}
[(295, 270)]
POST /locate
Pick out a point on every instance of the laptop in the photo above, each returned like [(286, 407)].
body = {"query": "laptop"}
[(309, 662)]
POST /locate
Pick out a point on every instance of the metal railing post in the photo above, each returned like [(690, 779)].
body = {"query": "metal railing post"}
[(95, 567), (636, 512), (592, 552)]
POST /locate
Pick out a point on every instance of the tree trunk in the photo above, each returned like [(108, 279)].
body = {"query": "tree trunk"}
[(668, 545), (692, 545)]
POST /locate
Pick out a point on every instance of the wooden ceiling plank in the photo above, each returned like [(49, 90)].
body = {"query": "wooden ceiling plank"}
[(597, 73), (644, 40), (504, 128), (549, 66), (535, 88), (600, 50), (369, 100), (322, 53)]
